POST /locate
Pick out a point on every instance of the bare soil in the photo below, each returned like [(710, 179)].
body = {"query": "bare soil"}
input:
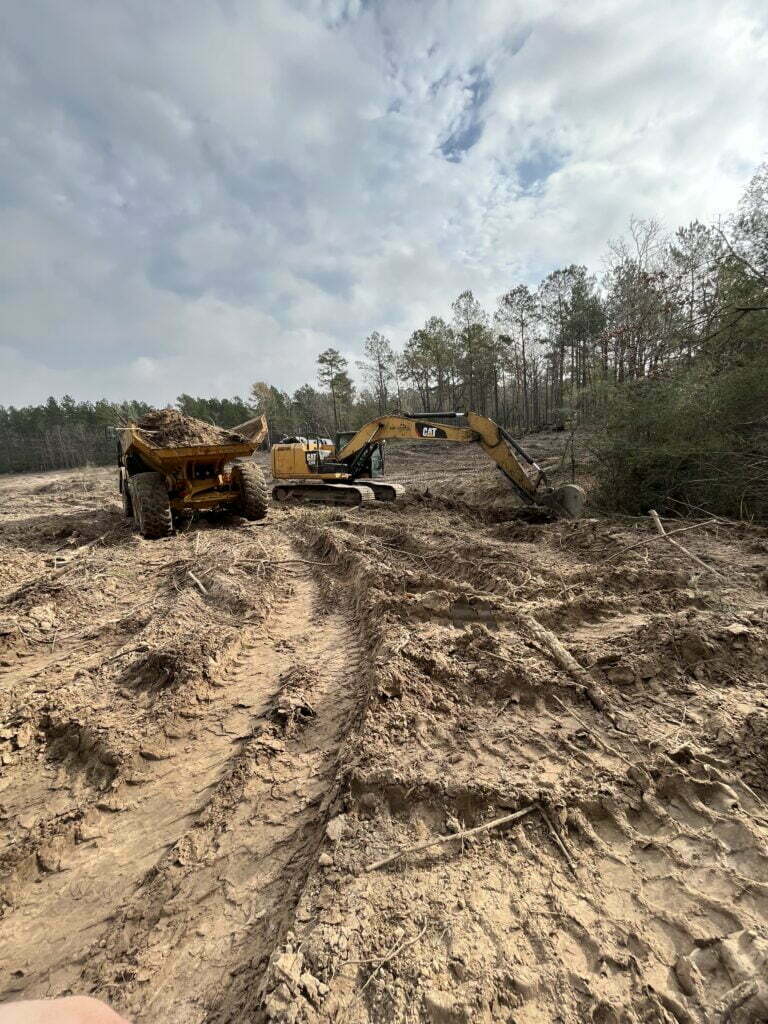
[(207, 741), (169, 428)]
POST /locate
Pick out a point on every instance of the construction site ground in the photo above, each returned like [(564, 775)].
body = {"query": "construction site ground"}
[(208, 743)]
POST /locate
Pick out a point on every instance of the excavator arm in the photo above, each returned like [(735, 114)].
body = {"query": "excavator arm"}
[(527, 478)]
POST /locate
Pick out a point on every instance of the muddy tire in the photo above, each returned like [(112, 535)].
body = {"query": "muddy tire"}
[(249, 481), (152, 508)]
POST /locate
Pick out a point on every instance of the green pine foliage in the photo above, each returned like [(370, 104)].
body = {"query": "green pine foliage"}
[(696, 441)]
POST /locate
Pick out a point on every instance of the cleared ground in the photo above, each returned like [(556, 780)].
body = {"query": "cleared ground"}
[(206, 740)]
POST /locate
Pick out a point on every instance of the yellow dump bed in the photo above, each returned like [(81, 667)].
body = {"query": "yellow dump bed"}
[(166, 460)]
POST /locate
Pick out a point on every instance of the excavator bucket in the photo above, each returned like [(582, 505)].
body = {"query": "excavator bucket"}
[(567, 500)]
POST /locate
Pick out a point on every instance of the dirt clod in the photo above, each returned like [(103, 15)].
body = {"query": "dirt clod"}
[(335, 828), (441, 1008)]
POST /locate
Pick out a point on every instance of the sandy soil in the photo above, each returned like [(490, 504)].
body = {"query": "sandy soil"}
[(206, 742)]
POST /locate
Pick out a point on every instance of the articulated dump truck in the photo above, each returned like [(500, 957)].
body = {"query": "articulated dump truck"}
[(171, 464)]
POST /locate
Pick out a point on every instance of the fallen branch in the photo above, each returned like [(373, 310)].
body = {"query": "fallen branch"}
[(752, 793), (282, 561), (125, 653), (600, 742), (508, 661), (393, 953), (448, 838), (388, 956), (75, 555), (694, 558), (655, 537), (566, 661), (707, 512), (55, 573), (559, 842), (197, 581)]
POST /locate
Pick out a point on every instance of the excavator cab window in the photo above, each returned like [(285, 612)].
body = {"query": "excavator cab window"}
[(342, 436), (374, 463), (377, 461)]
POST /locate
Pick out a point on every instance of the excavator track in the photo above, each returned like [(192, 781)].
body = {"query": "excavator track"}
[(323, 493), (383, 491)]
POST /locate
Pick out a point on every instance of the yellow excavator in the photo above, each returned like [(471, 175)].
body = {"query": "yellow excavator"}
[(349, 472)]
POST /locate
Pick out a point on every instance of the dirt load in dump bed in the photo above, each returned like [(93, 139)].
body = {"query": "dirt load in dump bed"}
[(209, 746), (169, 428)]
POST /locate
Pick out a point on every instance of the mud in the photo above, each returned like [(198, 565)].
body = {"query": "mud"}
[(195, 782), (169, 428)]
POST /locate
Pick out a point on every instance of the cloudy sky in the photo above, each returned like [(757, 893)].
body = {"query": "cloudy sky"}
[(196, 194)]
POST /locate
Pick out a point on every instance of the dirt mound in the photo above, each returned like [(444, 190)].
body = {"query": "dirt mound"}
[(169, 428), (746, 745)]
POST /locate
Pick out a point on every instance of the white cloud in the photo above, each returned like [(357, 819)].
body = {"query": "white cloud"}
[(195, 195)]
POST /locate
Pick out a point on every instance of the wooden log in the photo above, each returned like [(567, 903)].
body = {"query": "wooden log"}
[(565, 660), (675, 544)]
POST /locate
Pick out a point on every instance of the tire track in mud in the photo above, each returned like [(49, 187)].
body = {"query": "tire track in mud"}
[(167, 772), (457, 716), (667, 917), (93, 843), (194, 940)]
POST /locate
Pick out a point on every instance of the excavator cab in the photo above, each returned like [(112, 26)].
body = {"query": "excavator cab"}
[(373, 465)]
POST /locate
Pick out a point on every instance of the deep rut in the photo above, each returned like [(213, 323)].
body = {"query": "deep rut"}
[(195, 938), (168, 896)]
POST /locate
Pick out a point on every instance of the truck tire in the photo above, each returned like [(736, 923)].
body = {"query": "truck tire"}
[(249, 480), (127, 503), (125, 494), (152, 507)]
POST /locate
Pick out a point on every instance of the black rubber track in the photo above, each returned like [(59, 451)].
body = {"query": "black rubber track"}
[(323, 494), (249, 480), (152, 508)]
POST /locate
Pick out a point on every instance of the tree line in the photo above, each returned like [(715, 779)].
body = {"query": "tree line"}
[(670, 315), (552, 355), (64, 434), (661, 359)]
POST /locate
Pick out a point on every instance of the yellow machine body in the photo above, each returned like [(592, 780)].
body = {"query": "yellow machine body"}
[(299, 461), (159, 483), (197, 476)]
